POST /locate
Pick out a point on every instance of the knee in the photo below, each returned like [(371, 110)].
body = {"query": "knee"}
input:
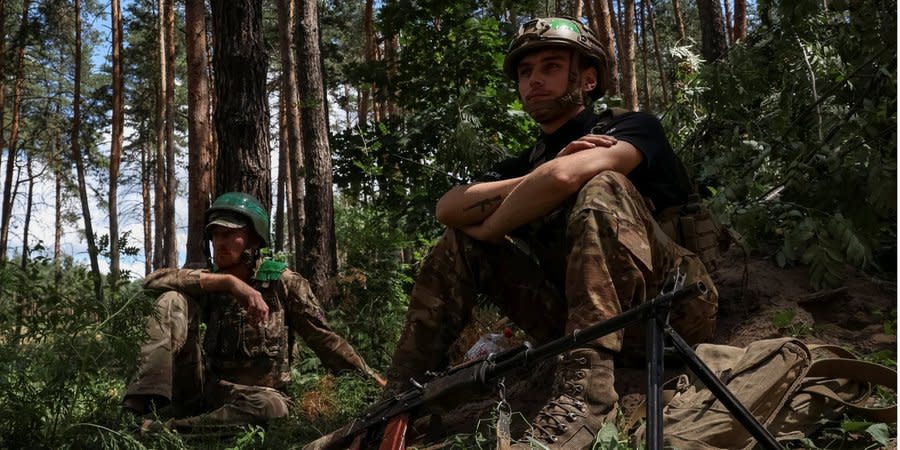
[(612, 193), (172, 305), (172, 318), (603, 189)]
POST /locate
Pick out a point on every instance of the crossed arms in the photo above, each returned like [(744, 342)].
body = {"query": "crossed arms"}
[(488, 211)]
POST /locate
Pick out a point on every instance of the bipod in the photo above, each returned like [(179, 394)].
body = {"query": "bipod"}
[(658, 329)]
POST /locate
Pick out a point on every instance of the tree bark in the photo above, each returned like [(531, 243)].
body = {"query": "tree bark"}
[(79, 163), (200, 161), (663, 80), (278, 207), (170, 242), (607, 37), (7, 183), (362, 115), (629, 76), (57, 213), (115, 151), (242, 111), (679, 21), (293, 151), (711, 30), (727, 22), (29, 201), (320, 262), (147, 203), (12, 144), (740, 20), (648, 92), (160, 185)]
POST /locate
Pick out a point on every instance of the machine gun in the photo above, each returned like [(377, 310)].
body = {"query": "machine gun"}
[(392, 415)]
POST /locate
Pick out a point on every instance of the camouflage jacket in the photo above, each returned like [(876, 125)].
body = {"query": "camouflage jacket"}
[(257, 355)]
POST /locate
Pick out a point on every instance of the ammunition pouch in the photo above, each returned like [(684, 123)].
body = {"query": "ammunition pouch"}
[(693, 227)]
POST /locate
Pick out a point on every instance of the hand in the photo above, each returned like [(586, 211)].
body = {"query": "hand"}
[(251, 300), (379, 380), (588, 142)]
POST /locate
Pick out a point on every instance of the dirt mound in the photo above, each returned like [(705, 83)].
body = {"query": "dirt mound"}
[(757, 300)]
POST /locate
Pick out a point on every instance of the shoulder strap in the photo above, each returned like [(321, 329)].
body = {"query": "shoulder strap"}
[(605, 118), (846, 366)]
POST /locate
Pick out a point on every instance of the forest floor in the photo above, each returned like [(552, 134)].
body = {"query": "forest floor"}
[(757, 300)]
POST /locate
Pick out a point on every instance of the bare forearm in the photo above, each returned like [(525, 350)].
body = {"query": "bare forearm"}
[(471, 204), (548, 186)]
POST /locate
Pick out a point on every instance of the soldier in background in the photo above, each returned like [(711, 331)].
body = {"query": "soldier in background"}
[(561, 237), (247, 302)]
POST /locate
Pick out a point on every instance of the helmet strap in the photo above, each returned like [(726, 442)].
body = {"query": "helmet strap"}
[(573, 95)]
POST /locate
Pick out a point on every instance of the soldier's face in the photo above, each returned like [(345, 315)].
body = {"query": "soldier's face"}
[(543, 75), (228, 245)]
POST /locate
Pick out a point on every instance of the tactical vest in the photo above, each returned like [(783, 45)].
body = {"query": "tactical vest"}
[(690, 225)]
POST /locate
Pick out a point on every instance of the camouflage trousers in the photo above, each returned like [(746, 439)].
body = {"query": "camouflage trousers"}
[(171, 366), (598, 256)]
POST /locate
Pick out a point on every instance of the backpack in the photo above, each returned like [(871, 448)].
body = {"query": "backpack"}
[(779, 381)]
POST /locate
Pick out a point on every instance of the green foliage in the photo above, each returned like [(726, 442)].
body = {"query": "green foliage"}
[(457, 116), (373, 281), (785, 322), (794, 134), (63, 357)]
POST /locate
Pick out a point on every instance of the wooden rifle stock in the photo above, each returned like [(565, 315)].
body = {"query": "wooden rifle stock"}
[(477, 376), (395, 433)]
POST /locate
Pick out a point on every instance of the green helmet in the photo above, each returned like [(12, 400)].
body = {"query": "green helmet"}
[(558, 32), (238, 205)]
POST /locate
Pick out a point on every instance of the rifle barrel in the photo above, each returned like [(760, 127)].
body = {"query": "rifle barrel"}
[(580, 337)]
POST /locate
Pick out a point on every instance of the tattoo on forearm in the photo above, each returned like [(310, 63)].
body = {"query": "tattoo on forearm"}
[(485, 204)]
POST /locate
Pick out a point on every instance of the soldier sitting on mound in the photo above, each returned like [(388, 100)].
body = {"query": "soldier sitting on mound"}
[(561, 237), (241, 374)]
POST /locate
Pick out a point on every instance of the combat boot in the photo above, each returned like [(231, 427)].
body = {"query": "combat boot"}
[(583, 400)]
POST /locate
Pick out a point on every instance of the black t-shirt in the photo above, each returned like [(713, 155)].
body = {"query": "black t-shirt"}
[(660, 176)]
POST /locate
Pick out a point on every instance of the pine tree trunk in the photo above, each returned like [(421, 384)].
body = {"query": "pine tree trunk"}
[(29, 202), (648, 92), (170, 242), (591, 17), (293, 151), (147, 203), (711, 30), (629, 75), (159, 256), (727, 20), (362, 115), (57, 213), (679, 21), (12, 144), (200, 163), (740, 20), (115, 151), (663, 81), (242, 111), (278, 207), (607, 37), (320, 263), (7, 183), (79, 162)]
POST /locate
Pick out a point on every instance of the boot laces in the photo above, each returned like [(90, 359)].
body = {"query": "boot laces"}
[(559, 414)]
